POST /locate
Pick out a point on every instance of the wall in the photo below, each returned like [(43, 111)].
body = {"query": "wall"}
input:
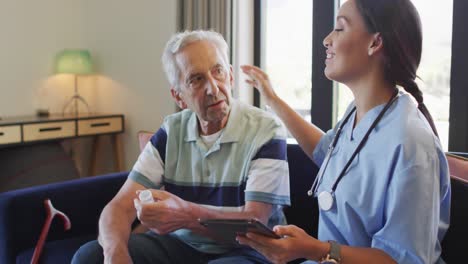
[(125, 38), (127, 41), (32, 33), (242, 46)]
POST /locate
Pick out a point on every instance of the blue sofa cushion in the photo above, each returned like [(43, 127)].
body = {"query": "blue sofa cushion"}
[(59, 251), (22, 212)]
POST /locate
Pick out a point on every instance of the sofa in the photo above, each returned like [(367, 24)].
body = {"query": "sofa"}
[(22, 213)]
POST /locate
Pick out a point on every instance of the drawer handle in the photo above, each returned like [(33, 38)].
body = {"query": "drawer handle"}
[(50, 129), (1, 134), (100, 124)]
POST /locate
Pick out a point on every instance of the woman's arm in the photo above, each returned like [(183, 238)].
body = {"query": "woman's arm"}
[(306, 134)]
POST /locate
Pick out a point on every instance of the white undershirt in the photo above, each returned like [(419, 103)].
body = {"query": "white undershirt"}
[(209, 140)]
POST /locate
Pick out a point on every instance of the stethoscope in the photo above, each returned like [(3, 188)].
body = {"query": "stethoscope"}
[(326, 198)]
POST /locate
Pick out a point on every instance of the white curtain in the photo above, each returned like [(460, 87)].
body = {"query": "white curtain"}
[(207, 14)]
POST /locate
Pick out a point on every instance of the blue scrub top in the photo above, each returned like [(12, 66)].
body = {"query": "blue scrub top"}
[(395, 196)]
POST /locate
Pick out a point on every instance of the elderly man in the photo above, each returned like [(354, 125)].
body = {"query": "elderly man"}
[(218, 158)]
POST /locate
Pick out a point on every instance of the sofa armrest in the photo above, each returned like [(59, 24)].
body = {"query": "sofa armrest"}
[(22, 212), (454, 243)]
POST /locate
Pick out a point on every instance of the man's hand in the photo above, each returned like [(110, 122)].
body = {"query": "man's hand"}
[(168, 213)]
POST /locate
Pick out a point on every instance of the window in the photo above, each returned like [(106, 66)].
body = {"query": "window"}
[(443, 75), (434, 70), (286, 50), (458, 141)]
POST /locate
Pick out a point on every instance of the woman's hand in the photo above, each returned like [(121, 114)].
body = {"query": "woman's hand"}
[(259, 79), (295, 243)]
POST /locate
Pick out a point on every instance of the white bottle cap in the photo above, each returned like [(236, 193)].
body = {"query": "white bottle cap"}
[(146, 196)]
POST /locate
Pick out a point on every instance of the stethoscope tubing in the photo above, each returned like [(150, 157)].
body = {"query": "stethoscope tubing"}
[(314, 188)]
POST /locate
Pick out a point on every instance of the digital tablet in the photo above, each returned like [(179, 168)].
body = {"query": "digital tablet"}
[(226, 230)]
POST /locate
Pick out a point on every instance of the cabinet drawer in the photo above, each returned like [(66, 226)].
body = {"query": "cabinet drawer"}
[(10, 134), (99, 126), (50, 130)]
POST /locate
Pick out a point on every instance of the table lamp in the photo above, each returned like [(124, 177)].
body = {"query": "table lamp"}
[(76, 62)]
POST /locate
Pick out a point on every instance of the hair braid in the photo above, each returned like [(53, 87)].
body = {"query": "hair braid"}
[(411, 87)]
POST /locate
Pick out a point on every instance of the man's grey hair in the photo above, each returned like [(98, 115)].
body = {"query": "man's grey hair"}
[(182, 39)]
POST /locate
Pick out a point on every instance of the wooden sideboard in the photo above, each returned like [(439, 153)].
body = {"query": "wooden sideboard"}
[(22, 130)]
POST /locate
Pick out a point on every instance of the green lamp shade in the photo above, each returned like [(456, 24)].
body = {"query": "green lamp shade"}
[(74, 62)]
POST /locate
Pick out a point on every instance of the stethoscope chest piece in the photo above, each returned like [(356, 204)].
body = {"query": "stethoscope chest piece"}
[(325, 200)]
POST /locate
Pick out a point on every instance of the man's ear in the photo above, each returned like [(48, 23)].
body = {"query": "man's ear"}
[(178, 99), (376, 44)]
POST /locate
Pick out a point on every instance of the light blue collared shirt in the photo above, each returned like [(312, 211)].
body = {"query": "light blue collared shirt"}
[(395, 196)]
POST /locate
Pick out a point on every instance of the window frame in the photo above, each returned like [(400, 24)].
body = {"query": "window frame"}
[(257, 55), (323, 21), (323, 15), (458, 119)]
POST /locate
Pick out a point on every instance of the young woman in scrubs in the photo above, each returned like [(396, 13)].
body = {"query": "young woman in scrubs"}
[(383, 188)]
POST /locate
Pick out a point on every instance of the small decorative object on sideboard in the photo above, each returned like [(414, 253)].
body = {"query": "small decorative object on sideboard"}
[(42, 112)]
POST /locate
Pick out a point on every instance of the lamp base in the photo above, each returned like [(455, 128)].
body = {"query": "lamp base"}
[(73, 104)]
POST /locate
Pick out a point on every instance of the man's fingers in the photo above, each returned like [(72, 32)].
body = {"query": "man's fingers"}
[(157, 194), (160, 195)]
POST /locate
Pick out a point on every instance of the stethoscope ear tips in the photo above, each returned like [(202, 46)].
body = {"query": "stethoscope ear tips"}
[(310, 192)]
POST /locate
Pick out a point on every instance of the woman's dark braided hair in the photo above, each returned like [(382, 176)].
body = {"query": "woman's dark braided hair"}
[(399, 24)]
